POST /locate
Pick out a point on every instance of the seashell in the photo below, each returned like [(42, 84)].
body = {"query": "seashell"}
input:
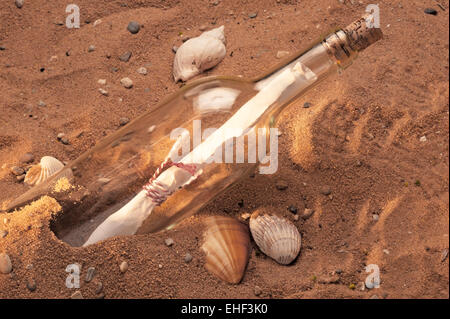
[(227, 246), (276, 236), (199, 54), (47, 167)]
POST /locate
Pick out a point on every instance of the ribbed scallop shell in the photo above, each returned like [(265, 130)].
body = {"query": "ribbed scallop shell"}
[(47, 167), (276, 236), (227, 246)]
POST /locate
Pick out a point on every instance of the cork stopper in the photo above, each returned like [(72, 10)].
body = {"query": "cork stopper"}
[(361, 33)]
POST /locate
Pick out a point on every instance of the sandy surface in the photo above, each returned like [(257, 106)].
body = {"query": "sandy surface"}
[(360, 137)]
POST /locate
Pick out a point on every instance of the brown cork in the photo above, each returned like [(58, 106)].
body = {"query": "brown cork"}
[(360, 33)]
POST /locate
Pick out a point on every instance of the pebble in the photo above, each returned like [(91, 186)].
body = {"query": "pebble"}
[(3, 233), (142, 70), (123, 267), (245, 216), (2, 48), (133, 27), (76, 295), (169, 242), (125, 57), (253, 15), (374, 297), (423, 139), (325, 190), (386, 251), (307, 213), (306, 105), (257, 291), (281, 185), (90, 274), (361, 286), (5, 264), (203, 27), (160, 266), (188, 258), (31, 285), (97, 22), (293, 209), (174, 49), (444, 255), (91, 48), (123, 121), (99, 288), (103, 92), (101, 81), (19, 3), (282, 54), (296, 217), (16, 170), (431, 11), (65, 141), (29, 267), (60, 136), (126, 83), (41, 103), (20, 178), (26, 158), (375, 217)]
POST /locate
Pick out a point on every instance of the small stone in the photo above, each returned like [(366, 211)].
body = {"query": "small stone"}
[(431, 11), (169, 242), (423, 139), (91, 48), (188, 258), (174, 49), (253, 15), (103, 180), (103, 92), (282, 54), (386, 251), (142, 71), (26, 158), (325, 190), (16, 170), (99, 288), (31, 285), (306, 105), (101, 81), (101, 296), (97, 22), (444, 254), (90, 274), (375, 217), (5, 264), (65, 141), (296, 217), (3, 233), (20, 178), (133, 27), (245, 216), (29, 267), (126, 83), (76, 295), (41, 103), (123, 121), (2, 48), (281, 185), (125, 57), (338, 271), (203, 27), (257, 291), (123, 267), (374, 297), (19, 3), (293, 209), (60, 136), (307, 213)]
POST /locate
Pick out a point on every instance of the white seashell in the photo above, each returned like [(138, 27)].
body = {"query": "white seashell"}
[(227, 246), (199, 54), (47, 167), (276, 236)]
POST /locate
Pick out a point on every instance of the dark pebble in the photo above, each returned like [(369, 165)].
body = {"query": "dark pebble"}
[(307, 105), (293, 209), (26, 158), (431, 11), (99, 288), (2, 48), (133, 27), (241, 203), (123, 121), (31, 285), (281, 185), (125, 57), (90, 274)]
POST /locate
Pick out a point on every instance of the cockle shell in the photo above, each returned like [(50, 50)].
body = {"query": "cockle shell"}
[(47, 167), (199, 54), (227, 245), (276, 236)]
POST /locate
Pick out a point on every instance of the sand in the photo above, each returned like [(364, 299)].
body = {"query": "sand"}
[(360, 138)]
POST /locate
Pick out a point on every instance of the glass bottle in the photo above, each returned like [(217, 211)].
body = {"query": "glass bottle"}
[(192, 146)]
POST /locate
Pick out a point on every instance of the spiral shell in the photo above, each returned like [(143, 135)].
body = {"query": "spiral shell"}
[(199, 54), (227, 246), (276, 236), (47, 167)]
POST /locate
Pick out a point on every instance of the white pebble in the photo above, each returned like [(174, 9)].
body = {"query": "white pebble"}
[(101, 81), (142, 71), (127, 83)]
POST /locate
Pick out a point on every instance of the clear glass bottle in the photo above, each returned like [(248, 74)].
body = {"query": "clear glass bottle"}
[(185, 143)]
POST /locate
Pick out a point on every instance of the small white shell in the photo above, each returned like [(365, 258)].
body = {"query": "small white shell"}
[(276, 236), (199, 54), (47, 167)]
